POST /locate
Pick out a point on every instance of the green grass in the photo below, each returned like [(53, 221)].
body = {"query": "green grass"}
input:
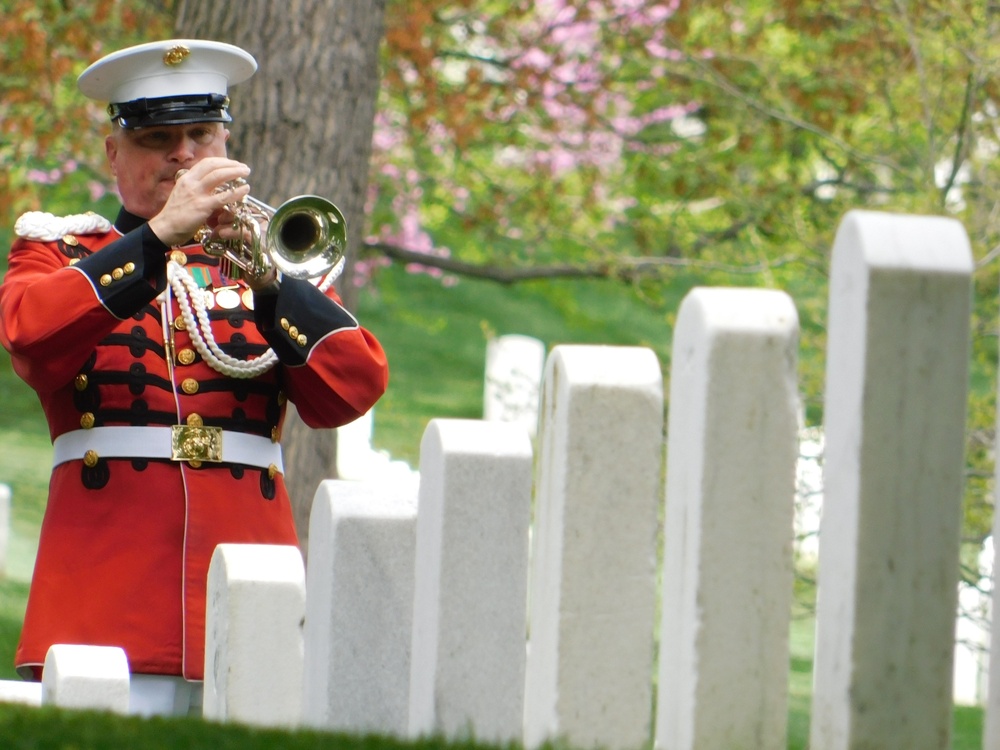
[(435, 337), (13, 597), (49, 729), (799, 681)]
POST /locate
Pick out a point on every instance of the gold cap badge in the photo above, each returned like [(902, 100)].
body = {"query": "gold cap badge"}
[(175, 55)]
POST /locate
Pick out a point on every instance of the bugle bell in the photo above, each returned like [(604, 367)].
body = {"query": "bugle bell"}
[(306, 237)]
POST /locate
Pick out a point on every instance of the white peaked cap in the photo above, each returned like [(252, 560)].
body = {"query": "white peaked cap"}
[(170, 68)]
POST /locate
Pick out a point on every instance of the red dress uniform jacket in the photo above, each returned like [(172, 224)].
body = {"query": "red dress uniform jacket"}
[(126, 541)]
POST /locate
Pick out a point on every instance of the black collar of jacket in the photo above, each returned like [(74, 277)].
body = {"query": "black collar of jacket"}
[(126, 221)]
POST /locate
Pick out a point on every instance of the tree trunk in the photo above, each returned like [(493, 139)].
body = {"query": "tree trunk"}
[(304, 124)]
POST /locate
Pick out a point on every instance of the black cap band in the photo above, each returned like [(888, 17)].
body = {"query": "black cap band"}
[(171, 110)]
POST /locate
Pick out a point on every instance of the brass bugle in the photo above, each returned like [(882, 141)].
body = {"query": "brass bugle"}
[(305, 237)]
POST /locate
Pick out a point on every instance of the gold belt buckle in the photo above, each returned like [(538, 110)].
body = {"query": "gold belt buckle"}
[(195, 443)]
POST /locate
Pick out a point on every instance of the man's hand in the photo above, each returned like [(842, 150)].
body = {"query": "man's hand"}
[(199, 195)]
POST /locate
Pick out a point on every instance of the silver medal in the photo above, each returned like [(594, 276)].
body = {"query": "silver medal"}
[(227, 298)]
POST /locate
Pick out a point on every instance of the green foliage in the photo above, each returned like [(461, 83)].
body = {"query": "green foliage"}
[(739, 135), (49, 133)]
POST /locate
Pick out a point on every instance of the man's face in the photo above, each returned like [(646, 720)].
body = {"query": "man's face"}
[(145, 160)]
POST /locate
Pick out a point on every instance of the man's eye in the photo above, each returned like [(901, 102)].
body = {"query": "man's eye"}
[(153, 140)]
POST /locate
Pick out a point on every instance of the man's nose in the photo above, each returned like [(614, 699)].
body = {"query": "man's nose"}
[(183, 149)]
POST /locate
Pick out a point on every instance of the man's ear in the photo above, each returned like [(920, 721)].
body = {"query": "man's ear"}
[(111, 150)]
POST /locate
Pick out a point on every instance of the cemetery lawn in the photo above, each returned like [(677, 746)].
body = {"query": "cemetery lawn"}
[(435, 337), (53, 729)]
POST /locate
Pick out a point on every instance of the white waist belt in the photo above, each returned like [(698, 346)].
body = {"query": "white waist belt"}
[(173, 443)]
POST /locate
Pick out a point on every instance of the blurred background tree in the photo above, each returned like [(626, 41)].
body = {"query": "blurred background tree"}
[(304, 124)]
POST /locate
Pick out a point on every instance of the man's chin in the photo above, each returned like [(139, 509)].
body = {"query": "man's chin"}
[(163, 190)]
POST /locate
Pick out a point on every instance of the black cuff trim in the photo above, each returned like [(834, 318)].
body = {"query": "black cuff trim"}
[(128, 273), (298, 317)]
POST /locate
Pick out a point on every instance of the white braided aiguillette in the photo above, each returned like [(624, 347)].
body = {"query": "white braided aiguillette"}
[(199, 327), (46, 227)]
